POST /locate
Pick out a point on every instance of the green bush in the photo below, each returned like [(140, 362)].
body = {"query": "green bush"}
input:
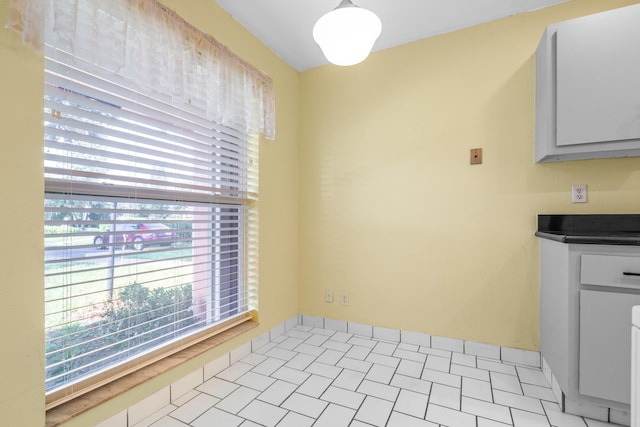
[(141, 314), (140, 318)]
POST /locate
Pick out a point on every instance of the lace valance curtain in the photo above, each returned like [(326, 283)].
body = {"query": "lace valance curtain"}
[(155, 48)]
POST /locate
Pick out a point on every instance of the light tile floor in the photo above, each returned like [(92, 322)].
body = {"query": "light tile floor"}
[(322, 378)]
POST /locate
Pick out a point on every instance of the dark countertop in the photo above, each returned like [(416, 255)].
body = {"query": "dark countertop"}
[(608, 229)]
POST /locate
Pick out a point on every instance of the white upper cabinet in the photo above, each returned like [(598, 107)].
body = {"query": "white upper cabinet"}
[(588, 87)]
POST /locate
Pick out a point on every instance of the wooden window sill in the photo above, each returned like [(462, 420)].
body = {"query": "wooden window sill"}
[(65, 411)]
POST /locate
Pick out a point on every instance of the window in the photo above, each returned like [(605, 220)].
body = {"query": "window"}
[(151, 196)]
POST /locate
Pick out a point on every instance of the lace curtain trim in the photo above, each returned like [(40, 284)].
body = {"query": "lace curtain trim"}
[(158, 50)]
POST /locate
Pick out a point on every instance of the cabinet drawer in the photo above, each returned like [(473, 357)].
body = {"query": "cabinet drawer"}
[(610, 270)]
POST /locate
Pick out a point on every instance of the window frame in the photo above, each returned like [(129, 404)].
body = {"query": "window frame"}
[(246, 200)]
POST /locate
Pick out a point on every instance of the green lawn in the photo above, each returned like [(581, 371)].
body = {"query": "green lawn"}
[(90, 284), (78, 240)]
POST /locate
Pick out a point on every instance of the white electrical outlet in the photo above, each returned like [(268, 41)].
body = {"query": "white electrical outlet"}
[(344, 298), (328, 295), (579, 193)]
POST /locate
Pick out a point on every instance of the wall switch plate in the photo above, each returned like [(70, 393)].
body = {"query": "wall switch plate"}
[(328, 295), (476, 156), (579, 193), (344, 298)]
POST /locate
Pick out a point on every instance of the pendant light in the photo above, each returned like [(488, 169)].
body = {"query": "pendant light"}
[(347, 33)]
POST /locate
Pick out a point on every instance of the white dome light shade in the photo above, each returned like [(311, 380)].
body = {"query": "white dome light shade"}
[(346, 34)]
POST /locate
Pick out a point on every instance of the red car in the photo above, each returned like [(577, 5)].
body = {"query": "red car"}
[(138, 236)]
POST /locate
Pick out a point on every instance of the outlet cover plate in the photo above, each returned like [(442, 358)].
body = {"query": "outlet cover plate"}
[(328, 295), (344, 298), (579, 193)]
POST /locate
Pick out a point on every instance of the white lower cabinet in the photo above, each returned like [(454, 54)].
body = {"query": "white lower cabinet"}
[(587, 293)]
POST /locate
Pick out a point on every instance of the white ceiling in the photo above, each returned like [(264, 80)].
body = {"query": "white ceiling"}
[(285, 26)]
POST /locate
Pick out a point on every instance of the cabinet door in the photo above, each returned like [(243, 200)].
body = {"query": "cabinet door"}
[(605, 344), (598, 78)]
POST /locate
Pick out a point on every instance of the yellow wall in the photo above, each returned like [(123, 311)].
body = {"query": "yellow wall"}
[(21, 187), (21, 216), (391, 210)]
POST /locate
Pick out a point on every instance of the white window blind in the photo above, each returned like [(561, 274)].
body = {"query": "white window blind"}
[(150, 225)]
